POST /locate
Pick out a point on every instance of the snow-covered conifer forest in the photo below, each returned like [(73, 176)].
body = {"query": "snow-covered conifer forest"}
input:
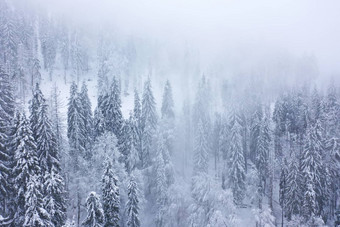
[(169, 113)]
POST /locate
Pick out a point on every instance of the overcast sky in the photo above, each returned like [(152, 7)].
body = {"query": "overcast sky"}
[(299, 27)]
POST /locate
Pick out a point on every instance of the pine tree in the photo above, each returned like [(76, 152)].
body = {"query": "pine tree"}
[(262, 154), (167, 103), (312, 171), (200, 150), (76, 127), (43, 134), (236, 159), (111, 109), (26, 164), (126, 142), (293, 195), (161, 186), (137, 126), (6, 156), (110, 197), (95, 215), (35, 214), (54, 200), (148, 124), (86, 112), (132, 205)]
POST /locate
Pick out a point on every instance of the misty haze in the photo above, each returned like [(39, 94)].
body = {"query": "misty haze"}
[(169, 113)]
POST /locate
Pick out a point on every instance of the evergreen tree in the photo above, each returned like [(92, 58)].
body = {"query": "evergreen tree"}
[(148, 124), (86, 112), (137, 126), (35, 214), (54, 200), (43, 134), (161, 186), (126, 142), (76, 127), (132, 205), (200, 150), (293, 195), (110, 106), (313, 171), (110, 197), (236, 159), (262, 154), (26, 164), (7, 106), (95, 215), (167, 103)]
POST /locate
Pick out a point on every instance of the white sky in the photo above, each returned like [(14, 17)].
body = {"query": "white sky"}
[(296, 26)]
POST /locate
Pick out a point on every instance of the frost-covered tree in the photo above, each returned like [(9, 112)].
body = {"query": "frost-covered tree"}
[(54, 196), (132, 205), (148, 124), (86, 112), (25, 166), (201, 150), (7, 106), (95, 215), (75, 125), (110, 105), (43, 134), (35, 213), (293, 194), (110, 197), (161, 184), (167, 103), (313, 172), (236, 172), (262, 151)]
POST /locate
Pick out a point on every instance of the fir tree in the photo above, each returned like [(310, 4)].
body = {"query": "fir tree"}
[(110, 196), (200, 150), (6, 157), (161, 186), (111, 109), (86, 112), (312, 171), (167, 103), (26, 164), (148, 124), (132, 205), (95, 215), (236, 159), (76, 127), (54, 200), (293, 195), (35, 214)]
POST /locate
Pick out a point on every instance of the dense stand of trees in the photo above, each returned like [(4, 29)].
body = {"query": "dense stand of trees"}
[(107, 170)]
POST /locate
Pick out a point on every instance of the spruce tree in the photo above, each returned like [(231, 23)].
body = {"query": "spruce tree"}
[(95, 215), (7, 106), (167, 103), (110, 105), (161, 186), (132, 205), (293, 195), (26, 164), (75, 126), (236, 172), (110, 197), (200, 150), (148, 124), (86, 112), (35, 213), (313, 171), (54, 192)]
